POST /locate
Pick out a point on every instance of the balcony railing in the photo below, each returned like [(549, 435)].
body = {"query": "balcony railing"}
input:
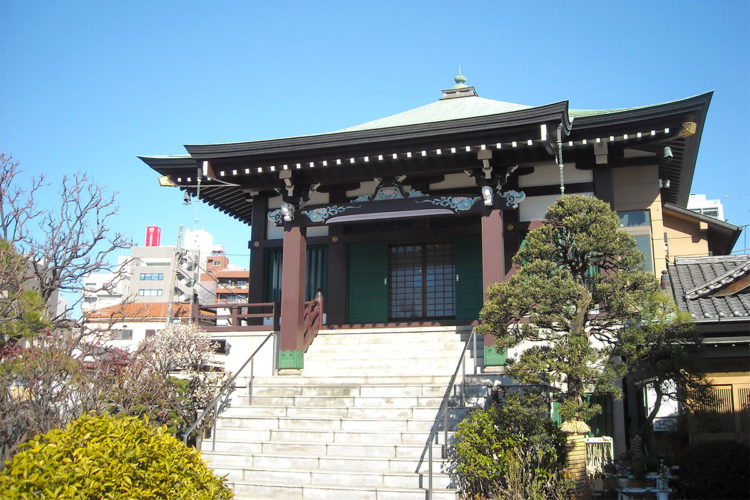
[(312, 319), (237, 317)]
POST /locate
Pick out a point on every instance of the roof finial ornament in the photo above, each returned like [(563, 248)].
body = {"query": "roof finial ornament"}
[(460, 80)]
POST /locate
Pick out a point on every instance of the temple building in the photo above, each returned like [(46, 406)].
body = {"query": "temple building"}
[(390, 231), (405, 220)]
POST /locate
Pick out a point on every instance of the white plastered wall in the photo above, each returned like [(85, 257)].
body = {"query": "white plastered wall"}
[(273, 232), (548, 174)]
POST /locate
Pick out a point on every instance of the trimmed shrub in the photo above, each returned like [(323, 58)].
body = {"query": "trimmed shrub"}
[(109, 457), (715, 470), (510, 450)]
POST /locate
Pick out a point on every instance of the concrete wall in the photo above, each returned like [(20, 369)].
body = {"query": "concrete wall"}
[(637, 188), (685, 237)]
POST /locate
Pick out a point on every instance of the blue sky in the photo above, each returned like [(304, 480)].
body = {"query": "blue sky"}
[(86, 86)]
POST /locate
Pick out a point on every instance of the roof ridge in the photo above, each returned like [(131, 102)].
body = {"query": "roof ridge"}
[(719, 282), (710, 258)]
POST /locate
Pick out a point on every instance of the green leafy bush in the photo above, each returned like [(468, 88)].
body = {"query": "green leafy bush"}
[(510, 450), (109, 457), (715, 470)]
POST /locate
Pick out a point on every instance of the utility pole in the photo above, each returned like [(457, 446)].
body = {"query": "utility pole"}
[(175, 259), (198, 252)]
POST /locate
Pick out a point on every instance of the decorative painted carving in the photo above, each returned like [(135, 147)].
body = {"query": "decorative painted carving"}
[(276, 217), (455, 203), (388, 193), (321, 214), (415, 193), (513, 198)]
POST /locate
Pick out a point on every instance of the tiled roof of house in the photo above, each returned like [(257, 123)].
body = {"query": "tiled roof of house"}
[(140, 311), (712, 289)]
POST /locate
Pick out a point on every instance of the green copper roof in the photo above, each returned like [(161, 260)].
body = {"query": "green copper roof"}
[(442, 110), (467, 106)]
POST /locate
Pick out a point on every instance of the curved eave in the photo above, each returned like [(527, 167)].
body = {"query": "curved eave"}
[(556, 112), (230, 201), (680, 171), (167, 165)]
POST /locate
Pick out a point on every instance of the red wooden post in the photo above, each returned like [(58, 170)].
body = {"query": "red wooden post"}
[(493, 256), (292, 297)]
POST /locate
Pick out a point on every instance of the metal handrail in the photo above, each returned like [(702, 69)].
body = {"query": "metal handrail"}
[(228, 384), (444, 409)]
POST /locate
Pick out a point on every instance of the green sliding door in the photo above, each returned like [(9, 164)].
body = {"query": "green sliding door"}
[(367, 283), (468, 252)]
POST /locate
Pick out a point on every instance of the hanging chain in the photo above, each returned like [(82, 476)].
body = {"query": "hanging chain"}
[(561, 166)]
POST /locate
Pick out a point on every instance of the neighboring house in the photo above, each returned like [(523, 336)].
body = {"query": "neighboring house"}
[(716, 292), (690, 234), (126, 325), (106, 289), (223, 283), (152, 273), (405, 220)]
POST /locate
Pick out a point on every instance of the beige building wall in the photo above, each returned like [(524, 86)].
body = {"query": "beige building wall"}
[(685, 238), (637, 188)]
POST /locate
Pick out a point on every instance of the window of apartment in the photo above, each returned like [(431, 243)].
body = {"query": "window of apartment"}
[(232, 298), (122, 334), (152, 276), (710, 211), (221, 346), (150, 333), (150, 292)]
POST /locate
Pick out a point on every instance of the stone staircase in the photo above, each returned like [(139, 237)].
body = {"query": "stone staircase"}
[(354, 425)]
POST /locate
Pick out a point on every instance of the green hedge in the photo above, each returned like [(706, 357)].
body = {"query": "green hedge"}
[(109, 457), (510, 450)]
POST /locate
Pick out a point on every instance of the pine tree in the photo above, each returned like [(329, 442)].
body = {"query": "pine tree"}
[(580, 281)]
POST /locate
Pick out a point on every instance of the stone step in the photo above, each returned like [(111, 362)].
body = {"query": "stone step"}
[(348, 390), (223, 443), (402, 348), (341, 437), (261, 491), (336, 402), (348, 426), (391, 390), (338, 379), (231, 418), (437, 347), (287, 461), (436, 364), (360, 479), (338, 424), (316, 370)]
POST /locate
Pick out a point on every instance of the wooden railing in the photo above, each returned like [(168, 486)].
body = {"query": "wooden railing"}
[(312, 320), (237, 317)]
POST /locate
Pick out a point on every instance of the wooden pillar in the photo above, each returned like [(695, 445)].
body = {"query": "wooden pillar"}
[(335, 301), (257, 287), (493, 249), (292, 298), (493, 271)]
